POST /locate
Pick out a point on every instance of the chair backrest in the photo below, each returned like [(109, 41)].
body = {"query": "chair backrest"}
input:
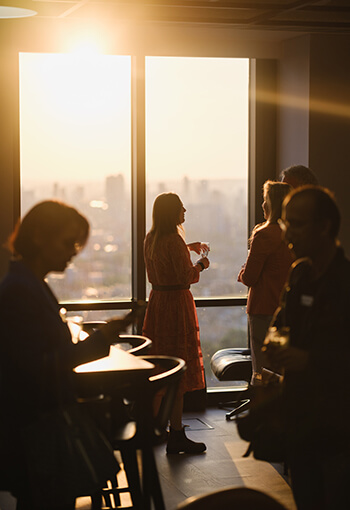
[(165, 377), (91, 326), (232, 364), (237, 498), (135, 344)]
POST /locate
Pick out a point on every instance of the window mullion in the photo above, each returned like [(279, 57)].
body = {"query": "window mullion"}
[(138, 181)]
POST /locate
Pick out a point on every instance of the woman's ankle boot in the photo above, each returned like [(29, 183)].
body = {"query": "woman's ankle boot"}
[(178, 442)]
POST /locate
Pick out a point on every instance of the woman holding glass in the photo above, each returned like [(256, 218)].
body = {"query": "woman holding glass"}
[(265, 271), (171, 319), (37, 355)]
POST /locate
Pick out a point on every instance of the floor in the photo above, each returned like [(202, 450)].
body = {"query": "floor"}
[(221, 466)]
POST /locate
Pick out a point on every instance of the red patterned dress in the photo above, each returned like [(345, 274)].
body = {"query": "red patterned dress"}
[(171, 319)]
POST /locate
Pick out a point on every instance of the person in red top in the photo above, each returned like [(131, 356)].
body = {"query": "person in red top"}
[(265, 271), (171, 319)]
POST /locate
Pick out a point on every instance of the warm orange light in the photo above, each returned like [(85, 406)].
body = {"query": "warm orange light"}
[(86, 48), (304, 103)]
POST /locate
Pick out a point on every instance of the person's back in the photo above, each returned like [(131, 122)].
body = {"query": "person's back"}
[(265, 271)]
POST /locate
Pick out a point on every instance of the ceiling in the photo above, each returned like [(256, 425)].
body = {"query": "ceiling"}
[(321, 16)]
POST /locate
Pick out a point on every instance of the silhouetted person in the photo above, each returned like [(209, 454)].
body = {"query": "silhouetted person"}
[(37, 355), (298, 175), (315, 307)]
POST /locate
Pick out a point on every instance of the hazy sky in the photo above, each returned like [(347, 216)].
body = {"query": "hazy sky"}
[(75, 117)]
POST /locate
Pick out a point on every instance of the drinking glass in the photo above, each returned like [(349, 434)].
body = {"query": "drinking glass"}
[(205, 248)]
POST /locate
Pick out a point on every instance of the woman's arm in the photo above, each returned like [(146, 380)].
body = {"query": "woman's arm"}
[(198, 247), (34, 335), (260, 249), (186, 272)]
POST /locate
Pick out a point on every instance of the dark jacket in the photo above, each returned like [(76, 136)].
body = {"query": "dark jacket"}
[(36, 359), (34, 342), (317, 312)]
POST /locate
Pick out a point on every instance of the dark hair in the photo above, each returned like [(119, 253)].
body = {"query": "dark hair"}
[(300, 174), (165, 217), (324, 205), (49, 217)]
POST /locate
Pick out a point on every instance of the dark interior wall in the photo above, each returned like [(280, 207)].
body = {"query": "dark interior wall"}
[(9, 143), (329, 135), (293, 118), (314, 113), (263, 119)]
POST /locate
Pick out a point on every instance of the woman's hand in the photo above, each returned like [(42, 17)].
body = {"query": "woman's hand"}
[(204, 261), (196, 247)]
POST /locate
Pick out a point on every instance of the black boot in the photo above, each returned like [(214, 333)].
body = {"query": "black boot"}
[(178, 442)]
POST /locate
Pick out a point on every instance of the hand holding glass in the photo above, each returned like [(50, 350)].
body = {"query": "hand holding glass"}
[(205, 248)]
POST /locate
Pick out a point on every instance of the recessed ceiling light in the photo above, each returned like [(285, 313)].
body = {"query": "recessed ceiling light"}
[(15, 12)]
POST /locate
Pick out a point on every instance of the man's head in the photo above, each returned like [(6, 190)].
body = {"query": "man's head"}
[(298, 175), (310, 221)]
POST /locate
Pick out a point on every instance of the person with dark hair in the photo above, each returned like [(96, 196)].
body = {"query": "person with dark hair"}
[(315, 308), (298, 175), (35, 343), (265, 271), (171, 319)]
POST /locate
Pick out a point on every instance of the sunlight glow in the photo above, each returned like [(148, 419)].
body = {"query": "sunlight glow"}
[(86, 48), (303, 103), (75, 116)]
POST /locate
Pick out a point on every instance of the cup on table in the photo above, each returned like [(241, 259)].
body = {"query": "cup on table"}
[(205, 248)]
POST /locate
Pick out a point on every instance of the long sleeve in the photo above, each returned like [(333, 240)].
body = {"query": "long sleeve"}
[(171, 263), (186, 272)]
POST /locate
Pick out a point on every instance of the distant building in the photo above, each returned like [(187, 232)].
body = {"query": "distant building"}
[(115, 192)]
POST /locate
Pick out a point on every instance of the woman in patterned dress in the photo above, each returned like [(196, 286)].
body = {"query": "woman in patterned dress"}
[(171, 319)]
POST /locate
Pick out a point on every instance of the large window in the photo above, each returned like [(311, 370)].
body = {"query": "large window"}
[(76, 145), (197, 146), (75, 139)]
